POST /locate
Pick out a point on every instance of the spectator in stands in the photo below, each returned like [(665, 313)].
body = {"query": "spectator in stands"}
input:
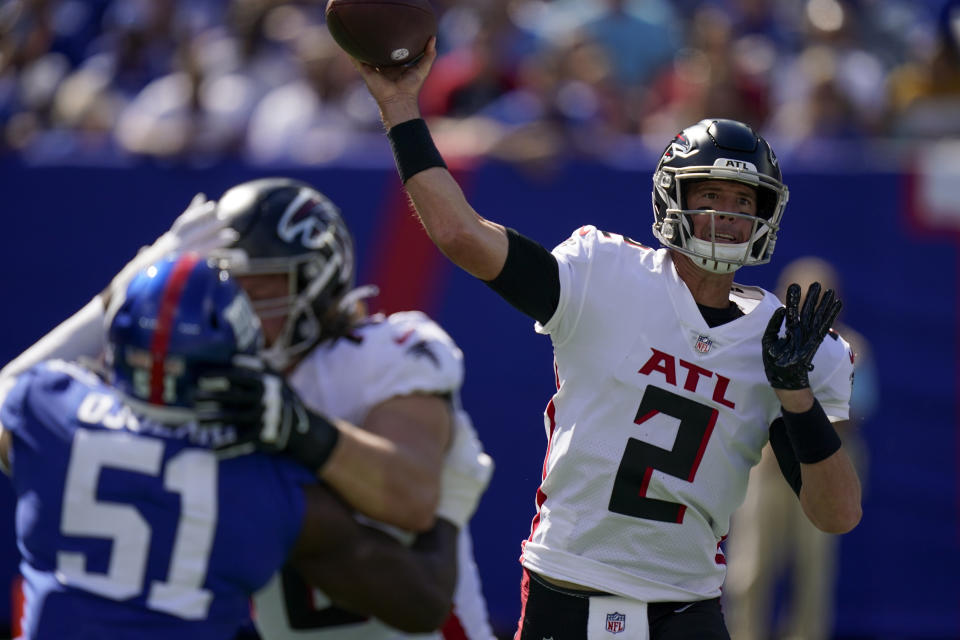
[(924, 94), (637, 46), (319, 115), (705, 80)]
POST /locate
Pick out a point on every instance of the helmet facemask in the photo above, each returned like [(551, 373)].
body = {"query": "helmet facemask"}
[(313, 286), (675, 229)]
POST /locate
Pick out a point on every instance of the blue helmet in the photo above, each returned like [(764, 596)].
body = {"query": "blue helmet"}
[(177, 319)]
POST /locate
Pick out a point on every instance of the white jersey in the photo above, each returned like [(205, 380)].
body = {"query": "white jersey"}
[(389, 356), (655, 424)]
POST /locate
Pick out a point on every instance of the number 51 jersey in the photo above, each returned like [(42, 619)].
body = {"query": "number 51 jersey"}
[(655, 424), (129, 529)]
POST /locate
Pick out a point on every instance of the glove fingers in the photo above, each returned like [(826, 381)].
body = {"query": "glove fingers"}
[(793, 304), (810, 305), (220, 418), (823, 309), (827, 312), (773, 329), (228, 398), (238, 381), (831, 316)]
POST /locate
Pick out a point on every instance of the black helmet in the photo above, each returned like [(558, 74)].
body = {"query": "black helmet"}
[(287, 227), (715, 149)]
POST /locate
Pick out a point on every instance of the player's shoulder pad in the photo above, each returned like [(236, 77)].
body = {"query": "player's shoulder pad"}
[(38, 389), (834, 353), (588, 241), (414, 354)]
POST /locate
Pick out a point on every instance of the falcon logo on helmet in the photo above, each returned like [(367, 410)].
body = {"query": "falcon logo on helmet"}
[(308, 218), (718, 150)]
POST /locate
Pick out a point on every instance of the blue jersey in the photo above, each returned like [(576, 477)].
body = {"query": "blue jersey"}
[(133, 529)]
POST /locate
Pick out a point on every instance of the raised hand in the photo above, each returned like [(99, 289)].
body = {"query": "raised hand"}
[(266, 414), (787, 360), (397, 89)]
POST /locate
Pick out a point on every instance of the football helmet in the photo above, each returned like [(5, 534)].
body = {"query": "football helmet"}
[(177, 319), (717, 149), (287, 227)]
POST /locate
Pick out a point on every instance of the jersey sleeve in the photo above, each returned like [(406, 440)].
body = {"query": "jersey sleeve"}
[(574, 259), (40, 398), (409, 353), (832, 376), (13, 390)]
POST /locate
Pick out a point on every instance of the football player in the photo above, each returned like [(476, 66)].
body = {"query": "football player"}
[(392, 383), (129, 523), (670, 377)]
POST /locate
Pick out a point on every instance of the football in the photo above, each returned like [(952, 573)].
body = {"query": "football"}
[(382, 33)]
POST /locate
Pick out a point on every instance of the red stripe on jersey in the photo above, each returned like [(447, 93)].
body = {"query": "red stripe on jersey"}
[(452, 629), (18, 602), (646, 481), (552, 417), (633, 243), (720, 558), (646, 417), (524, 594), (161, 336), (703, 445)]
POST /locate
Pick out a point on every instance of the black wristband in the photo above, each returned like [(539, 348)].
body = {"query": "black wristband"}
[(812, 436), (313, 447), (413, 148)]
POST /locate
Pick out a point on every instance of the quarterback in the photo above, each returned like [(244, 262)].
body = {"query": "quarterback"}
[(670, 377)]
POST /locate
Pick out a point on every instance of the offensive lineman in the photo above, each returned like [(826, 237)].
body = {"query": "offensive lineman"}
[(670, 378), (396, 377), (131, 527)]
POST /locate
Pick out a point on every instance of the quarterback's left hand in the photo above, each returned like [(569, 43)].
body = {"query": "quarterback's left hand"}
[(787, 360)]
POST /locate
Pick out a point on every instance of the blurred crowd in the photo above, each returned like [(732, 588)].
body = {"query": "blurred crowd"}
[(199, 81)]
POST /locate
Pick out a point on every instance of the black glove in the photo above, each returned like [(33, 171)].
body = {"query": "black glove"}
[(787, 360), (266, 413)]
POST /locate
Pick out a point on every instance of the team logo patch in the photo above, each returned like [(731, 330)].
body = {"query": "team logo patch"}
[(680, 147), (616, 622), (703, 344), (310, 220), (422, 350)]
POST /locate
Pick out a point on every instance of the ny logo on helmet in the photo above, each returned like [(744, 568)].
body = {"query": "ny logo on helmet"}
[(311, 219)]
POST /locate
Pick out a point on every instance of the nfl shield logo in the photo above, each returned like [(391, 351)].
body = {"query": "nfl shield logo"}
[(703, 344), (616, 622)]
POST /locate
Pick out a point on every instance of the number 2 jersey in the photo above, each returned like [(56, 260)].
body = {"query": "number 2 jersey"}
[(385, 357), (129, 529), (655, 424)]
